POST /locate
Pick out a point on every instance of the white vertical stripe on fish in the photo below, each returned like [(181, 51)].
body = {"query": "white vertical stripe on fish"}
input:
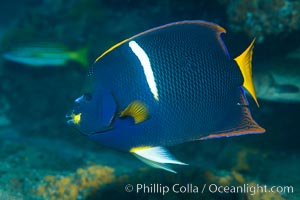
[(145, 62)]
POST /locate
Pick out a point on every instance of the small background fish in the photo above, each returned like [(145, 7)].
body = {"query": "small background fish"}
[(278, 81), (46, 54)]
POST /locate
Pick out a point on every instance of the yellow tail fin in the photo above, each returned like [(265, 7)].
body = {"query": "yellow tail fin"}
[(244, 62), (81, 56)]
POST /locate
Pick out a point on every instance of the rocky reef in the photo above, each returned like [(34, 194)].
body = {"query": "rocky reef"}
[(264, 17), (76, 185)]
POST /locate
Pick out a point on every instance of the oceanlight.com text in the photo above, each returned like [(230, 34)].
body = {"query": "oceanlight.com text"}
[(156, 188)]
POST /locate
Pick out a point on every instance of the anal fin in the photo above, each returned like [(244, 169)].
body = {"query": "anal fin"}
[(245, 125), (157, 157)]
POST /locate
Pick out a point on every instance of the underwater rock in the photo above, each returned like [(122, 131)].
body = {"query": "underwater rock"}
[(10, 196), (81, 183), (262, 18)]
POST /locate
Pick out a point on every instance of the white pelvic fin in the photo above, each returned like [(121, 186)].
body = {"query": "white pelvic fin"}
[(157, 157)]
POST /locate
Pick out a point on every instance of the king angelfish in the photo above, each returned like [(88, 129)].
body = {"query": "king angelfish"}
[(165, 86)]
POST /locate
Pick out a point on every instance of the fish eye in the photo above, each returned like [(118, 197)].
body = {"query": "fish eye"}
[(88, 96)]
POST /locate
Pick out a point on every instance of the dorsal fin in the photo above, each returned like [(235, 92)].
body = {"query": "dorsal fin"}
[(244, 62), (211, 25)]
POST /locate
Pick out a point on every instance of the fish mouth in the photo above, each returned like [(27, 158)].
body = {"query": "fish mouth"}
[(70, 119)]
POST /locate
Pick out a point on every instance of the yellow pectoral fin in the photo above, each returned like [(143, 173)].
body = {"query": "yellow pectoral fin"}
[(138, 110), (244, 62)]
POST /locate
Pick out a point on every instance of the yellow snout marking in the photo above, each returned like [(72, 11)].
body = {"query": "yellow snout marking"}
[(76, 118)]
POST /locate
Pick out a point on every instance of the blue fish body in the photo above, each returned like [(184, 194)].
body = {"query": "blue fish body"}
[(169, 85)]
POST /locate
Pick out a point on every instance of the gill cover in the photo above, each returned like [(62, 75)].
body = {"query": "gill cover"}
[(109, 108), (94, 112)]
